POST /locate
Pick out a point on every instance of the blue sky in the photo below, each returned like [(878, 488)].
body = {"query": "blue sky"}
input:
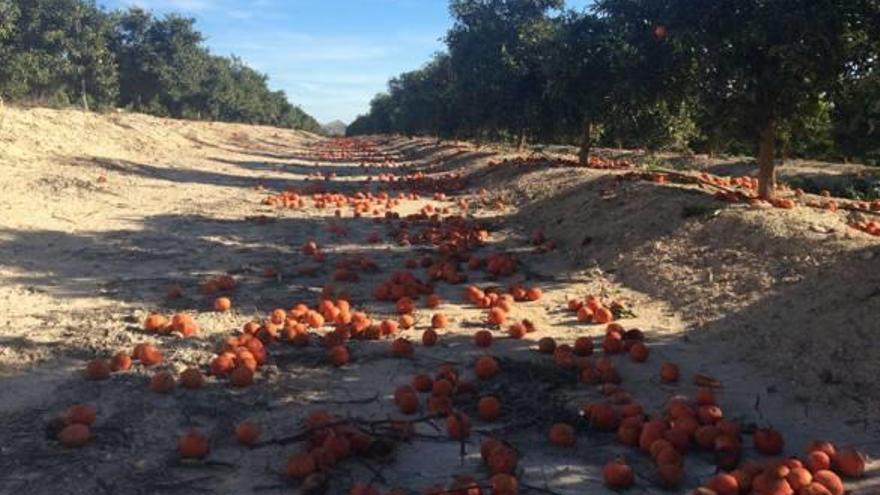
[(330, 56)]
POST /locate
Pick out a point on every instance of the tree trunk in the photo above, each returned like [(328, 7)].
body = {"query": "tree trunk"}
[(712, 145), (85, 98), (586, 142), (521, 142), (766, 166)]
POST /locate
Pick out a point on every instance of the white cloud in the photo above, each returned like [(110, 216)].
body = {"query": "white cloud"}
[(331, 73), (330, 76)]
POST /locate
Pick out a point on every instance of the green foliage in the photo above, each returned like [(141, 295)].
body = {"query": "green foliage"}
[(62, 52), (56, 51), (856, 118), (651, 126), (655, 74), (497, 51), (751, 65)]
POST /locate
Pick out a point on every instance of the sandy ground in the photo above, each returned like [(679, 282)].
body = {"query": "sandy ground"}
[(99, 215)]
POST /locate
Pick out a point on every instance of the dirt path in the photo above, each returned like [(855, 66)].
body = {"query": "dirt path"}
[(102, 214)]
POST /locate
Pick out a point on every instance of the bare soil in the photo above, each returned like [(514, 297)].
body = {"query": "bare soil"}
[(100, 214)]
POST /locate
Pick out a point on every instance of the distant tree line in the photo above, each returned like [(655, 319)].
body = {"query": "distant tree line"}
[(775, 78), (63, 52)]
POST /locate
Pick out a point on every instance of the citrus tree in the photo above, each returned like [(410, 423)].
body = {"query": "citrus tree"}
[(497, 52), (761, 63)]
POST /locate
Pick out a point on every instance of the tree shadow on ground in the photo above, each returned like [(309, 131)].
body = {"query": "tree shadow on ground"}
[(184, 176), (416, 148), (789, 329), (535, 393), (302, 168)]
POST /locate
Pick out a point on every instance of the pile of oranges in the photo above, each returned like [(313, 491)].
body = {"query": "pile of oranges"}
[(594, 162)]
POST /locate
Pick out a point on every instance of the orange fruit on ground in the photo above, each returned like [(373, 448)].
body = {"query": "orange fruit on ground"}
[(300, 465), (314, 319), (162, 382), (192, 445), (562, 434), (441, 388), (709, 415), (814, 488), (247, 433), (439, 320), (222, 304), (639, 352), (406, 321), (669, 372), (517, 331), (402, 347), (489, 408), (339, 355), (429, 337), (799, 478), (830, 481), (705, 397), (583, 346), (433, 301), (817, 461), (185, 324), (148, 355), (83, 414), (618, 475), (503, 484), (666, 454), (408, 402), (463, 485), (496, 316), (585, 314), (422, 383), (768, 441), (628, 434), (502, 459), (603, 417), (483, 338), (671, 475), (222, 365), (98, 369), (241, 376), (192, 379), (74, 435), (823, 446), (458, 426), (533, 294), (487, 445), (120, 362), (705, 436), (278, 316), (155, 322), (388, 327), (486, 367), (546, 345), (724, 484), (850, 463), (602, 315)]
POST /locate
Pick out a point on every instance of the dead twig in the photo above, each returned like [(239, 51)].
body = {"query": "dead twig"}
[(357, 422)]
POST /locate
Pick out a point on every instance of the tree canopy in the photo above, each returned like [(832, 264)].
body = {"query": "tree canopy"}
[(62, 52), (715, 76)]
